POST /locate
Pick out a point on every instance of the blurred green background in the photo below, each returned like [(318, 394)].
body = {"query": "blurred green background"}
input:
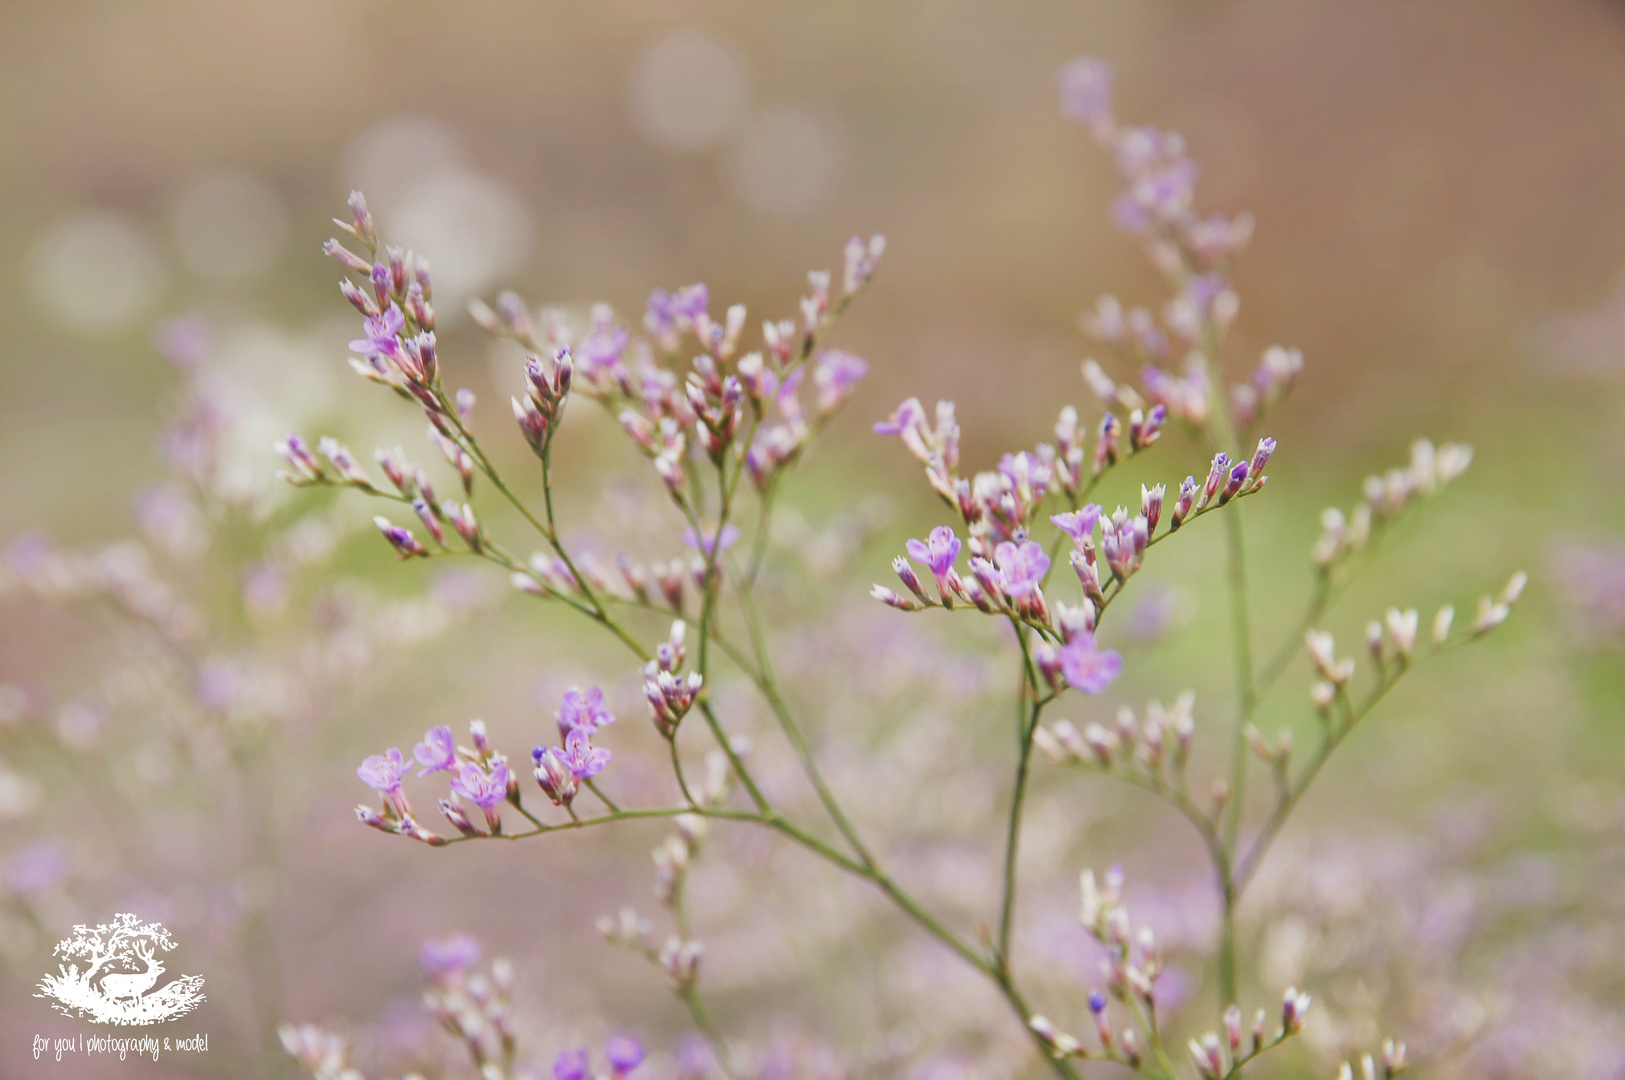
[(1441, 230)]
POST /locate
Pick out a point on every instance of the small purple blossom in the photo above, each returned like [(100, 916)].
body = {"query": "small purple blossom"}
[(602, 348), (1079, 524), (1021, 566), (583, 711), (384, 772), (835, 374), (625, 1053), (448, 956), (907, 417), (730, 537), (669, 313), (937, 552), (572, 1065), (1086, 92), (437, 752), (1087, 667), (581, 757), (383, 335), (483, 789)]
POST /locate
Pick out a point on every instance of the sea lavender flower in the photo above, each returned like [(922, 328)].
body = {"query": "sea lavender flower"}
[(1021, 567), (307, 466), (861, 260), (384, 772), (1086, 94), (669, 314), (600, 351), (405, 544), (937, 553), (1087, 667), (836, 374), (446, 958), (437, 752), (554, 774), (581, 757), (670, 695), (483, 789), (1079, 524), (624, 1054), (583, 711), (704, 544), (572, 1065), (383, 334)]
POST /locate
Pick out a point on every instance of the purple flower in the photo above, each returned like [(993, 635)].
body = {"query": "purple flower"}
[(1087, 667), (384, 772), (583, 711), (437, 751), (581, 757), (572, 1065), (906, 417), (1086, 92), (668, 313), (383, 335), (730, 537), (1079, 524), (483, 789), (624, 1053), (836, 374), (937, 552), (449, 955), (602, 348), (1021, 566)]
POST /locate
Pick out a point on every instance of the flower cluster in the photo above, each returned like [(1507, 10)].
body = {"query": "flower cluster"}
[(481, 775), (1006, 577), (707, 412), (562, 770), (215, 632), (622, 1054), (475, 1008), (1387, 497), (1131, 967), (670, 694)]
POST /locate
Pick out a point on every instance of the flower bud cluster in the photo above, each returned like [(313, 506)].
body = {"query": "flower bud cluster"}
[(670, 694), (1133, 962), (1392, 1062), (562, 770), (1193, 253), (722, 393), (474, 1007), (622, 1053), (547, 388), (680, 954), (1158, 746), (322, 1053), (1272, 380), (1387, 496)]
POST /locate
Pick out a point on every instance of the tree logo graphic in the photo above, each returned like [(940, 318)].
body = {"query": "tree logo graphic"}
[(119, 984)]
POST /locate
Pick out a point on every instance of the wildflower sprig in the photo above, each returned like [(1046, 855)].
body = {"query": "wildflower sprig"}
[(708, 412), (1006, 578), (472, 1006), (679, 956)]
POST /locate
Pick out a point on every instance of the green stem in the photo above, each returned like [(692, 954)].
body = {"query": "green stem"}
[(1026, 725)]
